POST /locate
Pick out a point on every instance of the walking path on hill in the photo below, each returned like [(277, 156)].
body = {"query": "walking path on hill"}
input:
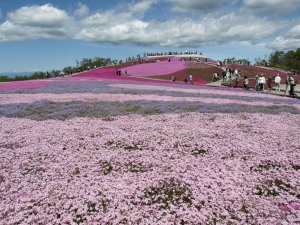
[(219, 83), (273, 92)]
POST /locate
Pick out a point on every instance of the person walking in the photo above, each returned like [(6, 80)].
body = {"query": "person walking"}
[(292, 86), (191, 78), (246, 82), (277, 82), (287, 83), (229, 82), (227, 75), (237, 79), (215, 76), (224, 76), (256, 83), (270, 84), (261, 82)]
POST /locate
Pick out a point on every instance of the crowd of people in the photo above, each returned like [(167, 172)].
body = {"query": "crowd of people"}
[(290, 84), (262, 83), (172, 53), (231, 75)]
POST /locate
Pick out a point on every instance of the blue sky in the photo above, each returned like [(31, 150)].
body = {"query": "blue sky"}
[(42, 35)]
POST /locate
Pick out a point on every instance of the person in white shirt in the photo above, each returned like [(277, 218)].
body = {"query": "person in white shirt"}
[(246, 82), (277, 82), (215, 75), (261, 82)]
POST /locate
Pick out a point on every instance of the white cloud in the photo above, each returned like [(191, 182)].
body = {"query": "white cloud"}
[(82, 11), (39, 16), (225, 29), (107, 19), (287, 42), (295, 32), (123, 29), (272, 7), (281, 43), (176, 32), (31, 23), (192, 5), (10, 32), (141, 7), (128, 26)]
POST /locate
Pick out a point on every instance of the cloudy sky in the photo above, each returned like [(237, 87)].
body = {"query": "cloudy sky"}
[(44, 34)]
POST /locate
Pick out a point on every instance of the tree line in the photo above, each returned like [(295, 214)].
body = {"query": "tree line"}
[(289, 60), (83, 65)]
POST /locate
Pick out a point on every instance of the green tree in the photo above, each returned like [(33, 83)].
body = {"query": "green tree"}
[(67, 70), (277, 59), (5, 79), (289, 60)]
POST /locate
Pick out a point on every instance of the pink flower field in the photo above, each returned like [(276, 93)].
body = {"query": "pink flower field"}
[(97, 150), (156, 69), (99, 75)]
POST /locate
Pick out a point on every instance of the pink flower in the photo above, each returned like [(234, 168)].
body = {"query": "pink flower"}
[(21, 194), (154, 210), (155, 69), (284, 208), (295, 206)]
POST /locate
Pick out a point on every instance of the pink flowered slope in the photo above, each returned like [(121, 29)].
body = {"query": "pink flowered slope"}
[(162, 68), (91, 77), (15, 85), (112, 77), (104, 74), (100, 73), (156, 69)]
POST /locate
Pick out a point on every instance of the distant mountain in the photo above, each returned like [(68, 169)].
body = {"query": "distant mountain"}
[(14, 74)]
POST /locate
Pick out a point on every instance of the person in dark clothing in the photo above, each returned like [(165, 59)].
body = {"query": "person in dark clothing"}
[(292, 86)]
